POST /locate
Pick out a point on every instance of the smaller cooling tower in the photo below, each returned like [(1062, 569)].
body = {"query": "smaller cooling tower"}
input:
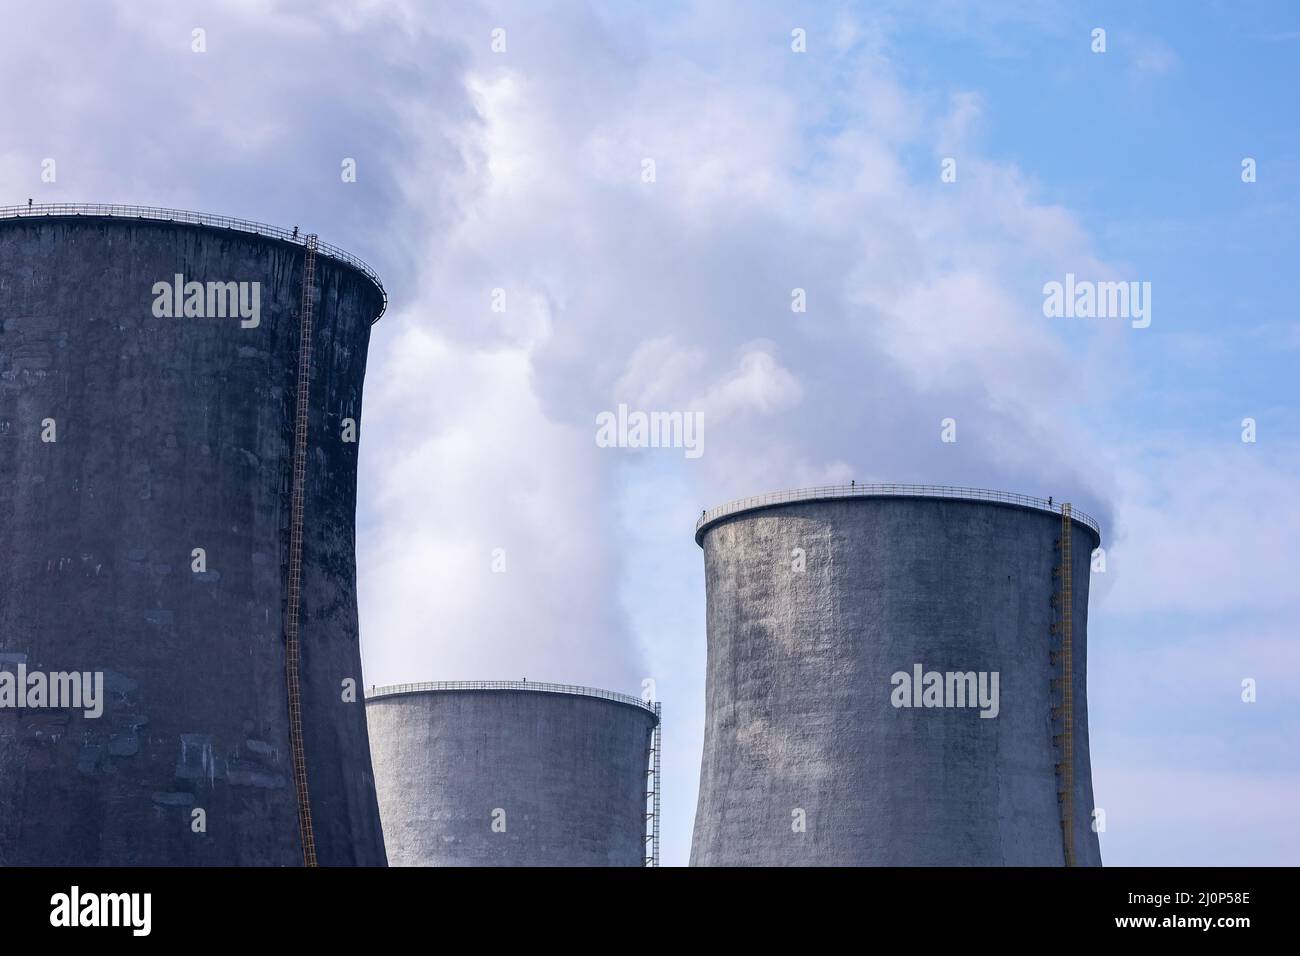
[(512, 773)]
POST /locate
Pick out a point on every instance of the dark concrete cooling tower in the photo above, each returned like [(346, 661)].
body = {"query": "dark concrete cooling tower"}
[(177, 493), (822, 746), (507, 773)]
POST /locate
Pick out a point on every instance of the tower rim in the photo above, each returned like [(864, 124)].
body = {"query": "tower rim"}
[(714, 516), (111, 211)]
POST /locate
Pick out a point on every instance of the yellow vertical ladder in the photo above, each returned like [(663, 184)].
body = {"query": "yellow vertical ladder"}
[(294, 597), (1067, 685)]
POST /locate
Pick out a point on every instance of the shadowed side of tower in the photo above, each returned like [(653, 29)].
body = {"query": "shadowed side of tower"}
[(146, 468)]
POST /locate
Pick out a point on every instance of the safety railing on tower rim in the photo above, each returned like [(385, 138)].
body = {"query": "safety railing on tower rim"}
[(389, 690), (887, 491), (298, 237)]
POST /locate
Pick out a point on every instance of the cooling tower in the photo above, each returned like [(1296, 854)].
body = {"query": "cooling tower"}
[(178, 453), (512, 773), (896, 676)]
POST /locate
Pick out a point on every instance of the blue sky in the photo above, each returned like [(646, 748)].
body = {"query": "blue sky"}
[(522, 171), (1145, 152)]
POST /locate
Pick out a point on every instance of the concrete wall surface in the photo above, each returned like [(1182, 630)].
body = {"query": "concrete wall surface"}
[(175, 434), (565, 774), (801, 730)]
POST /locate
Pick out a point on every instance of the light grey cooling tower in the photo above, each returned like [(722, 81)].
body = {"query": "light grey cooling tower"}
[(822, 746), (512, 773)]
